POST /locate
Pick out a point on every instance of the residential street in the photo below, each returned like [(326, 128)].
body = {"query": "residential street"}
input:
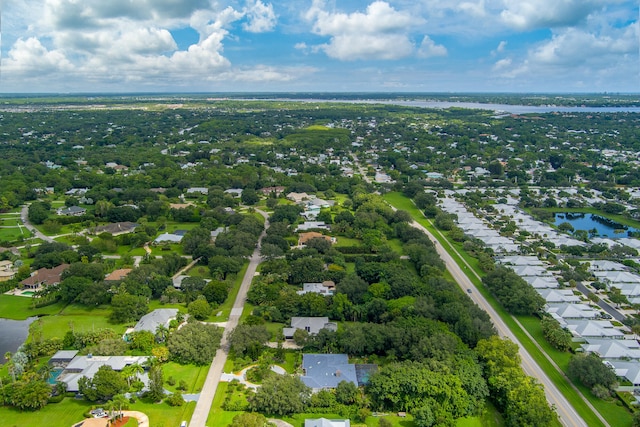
[(24, 216), (203, 407)]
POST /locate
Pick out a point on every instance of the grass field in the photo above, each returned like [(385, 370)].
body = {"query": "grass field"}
[(64, 414), (13, 234), (193, 375), (80, 318), (19, 308), (218, 417)]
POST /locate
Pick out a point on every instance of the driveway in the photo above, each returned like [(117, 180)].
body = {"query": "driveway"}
[(143, 419)]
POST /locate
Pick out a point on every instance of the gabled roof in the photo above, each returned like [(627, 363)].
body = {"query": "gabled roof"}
[(594, 328), (558, 295), (572, 311), (628, 370), (542, 282), (613, 349), (520, 260), (530, 270), (327, 370)]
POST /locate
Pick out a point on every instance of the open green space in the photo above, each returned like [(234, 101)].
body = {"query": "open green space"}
[(12, 221), (20, 308), (13, 234), (218, 416), (80, 319), (192, 374), (64, 414)]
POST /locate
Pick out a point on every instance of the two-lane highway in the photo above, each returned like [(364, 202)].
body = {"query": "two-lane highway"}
[(568, 415)]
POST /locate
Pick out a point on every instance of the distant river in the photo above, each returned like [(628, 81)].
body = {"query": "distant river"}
[(13, 333), (501, 108)]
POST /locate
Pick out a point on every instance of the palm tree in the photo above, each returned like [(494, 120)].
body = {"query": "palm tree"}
[(131, 371), (161, 333), (45, 371)]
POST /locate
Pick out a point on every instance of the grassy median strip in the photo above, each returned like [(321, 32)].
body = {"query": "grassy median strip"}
[(615, 416)]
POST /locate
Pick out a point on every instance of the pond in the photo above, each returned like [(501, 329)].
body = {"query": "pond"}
[(14, 334), (595, 225)]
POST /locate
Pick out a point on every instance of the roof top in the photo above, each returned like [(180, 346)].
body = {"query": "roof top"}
[(151, 321), (46, 276), (327, 370), (117, 275)]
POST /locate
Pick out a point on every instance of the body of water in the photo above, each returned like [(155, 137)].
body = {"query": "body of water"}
[(498, 108), (13, 334), (590, 222)]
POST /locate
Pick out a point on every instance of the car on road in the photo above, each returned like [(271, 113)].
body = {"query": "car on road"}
[(468, 290)]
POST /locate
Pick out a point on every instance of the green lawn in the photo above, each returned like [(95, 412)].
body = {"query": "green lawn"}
[(163, 415), (80, 319), (19, 308), (217, 416), (347, 241), (193, 375), (10, 221), (13, 234), (64, 414)]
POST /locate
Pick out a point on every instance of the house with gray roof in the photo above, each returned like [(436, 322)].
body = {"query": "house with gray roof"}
[(72, 211), (594, 329), (613, 349), (312, 325), (326, 371), (168, 238), (151, 321), (87, 366)]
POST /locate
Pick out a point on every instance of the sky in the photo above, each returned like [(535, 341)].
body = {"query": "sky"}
[(62, 46)]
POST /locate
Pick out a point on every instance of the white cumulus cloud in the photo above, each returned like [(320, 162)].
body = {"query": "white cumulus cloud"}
[(381, 32), (429, 48), (30, 58), (261, 17)]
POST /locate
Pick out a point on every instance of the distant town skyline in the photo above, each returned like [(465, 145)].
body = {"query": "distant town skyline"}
[(317, 45)]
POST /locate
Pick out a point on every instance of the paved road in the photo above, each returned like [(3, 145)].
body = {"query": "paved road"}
[(602, 304), (203, 407), (24, 216), (568, 415)]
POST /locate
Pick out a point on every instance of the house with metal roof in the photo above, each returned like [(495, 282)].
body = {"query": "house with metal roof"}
[(613, 349), (326, 371), (594, 329), (312, 325), (151, 321)]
